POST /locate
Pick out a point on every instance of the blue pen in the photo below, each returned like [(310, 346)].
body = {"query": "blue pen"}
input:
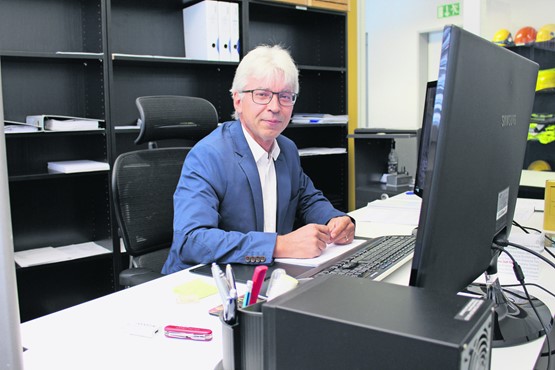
[(247, 296)]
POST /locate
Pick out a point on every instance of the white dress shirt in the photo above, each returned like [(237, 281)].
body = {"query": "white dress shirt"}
[(267, 173)]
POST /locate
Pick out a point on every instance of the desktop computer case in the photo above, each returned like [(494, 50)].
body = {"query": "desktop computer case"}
[(338, 322)]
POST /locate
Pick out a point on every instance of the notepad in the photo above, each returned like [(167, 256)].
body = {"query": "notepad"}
[(332, 251), (194, 290), (75, 166)]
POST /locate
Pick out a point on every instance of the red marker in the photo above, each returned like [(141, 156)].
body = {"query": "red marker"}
[(257, 279)]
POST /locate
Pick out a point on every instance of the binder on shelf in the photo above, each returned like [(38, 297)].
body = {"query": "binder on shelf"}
[(234, 46), (12, 127), (224, 30), (62, 123), (200, 26), (76, 166)]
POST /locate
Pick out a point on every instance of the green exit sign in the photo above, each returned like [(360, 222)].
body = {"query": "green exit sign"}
[(448, 10)]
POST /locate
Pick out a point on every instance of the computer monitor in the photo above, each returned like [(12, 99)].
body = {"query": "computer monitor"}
[(472, 165), (424, 138)]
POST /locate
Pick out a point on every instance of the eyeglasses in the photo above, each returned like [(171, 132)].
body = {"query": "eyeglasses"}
[(263, 97)]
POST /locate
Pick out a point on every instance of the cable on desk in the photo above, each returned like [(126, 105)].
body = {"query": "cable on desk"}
[(526, 228), (520, 277), (527, 284), (503, 243)]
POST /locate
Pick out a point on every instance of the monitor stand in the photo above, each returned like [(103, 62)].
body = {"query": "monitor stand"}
[(515, 321)]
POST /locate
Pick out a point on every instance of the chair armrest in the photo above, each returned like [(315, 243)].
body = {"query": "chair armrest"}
[(135, 276)]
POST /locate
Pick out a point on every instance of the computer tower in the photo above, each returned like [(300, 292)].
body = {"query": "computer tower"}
[(338, 322)]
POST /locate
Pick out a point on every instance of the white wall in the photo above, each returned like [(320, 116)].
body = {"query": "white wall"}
[(397, 65), (515, 14)]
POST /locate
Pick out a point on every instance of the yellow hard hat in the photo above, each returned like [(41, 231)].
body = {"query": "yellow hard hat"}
[(503, 37), (539, 165), (546, 79), (546, 33)]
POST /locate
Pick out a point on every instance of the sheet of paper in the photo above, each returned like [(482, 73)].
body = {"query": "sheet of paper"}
[(403, 209), (332, 251), (82, 250), (529, 263), (39, 256)]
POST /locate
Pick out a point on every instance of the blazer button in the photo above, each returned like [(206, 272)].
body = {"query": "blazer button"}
[(263, 259), (248, 258)]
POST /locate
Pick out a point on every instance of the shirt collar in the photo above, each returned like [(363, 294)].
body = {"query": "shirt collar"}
[(257, 150)]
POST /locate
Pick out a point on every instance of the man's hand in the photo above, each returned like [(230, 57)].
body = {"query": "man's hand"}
[(310, 240), (342, 230), (306, 242)]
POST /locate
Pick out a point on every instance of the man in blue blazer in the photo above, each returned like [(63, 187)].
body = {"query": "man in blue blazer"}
[(242, 186)]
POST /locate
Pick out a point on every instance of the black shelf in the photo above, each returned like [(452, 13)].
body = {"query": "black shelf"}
[(92, 59), (544, 102), (7, 55), (372, 148), (51, 26)]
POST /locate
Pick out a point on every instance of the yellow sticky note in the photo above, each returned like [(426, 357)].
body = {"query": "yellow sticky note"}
[(194, 290)]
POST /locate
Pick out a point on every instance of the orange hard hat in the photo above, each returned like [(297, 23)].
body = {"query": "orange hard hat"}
[(525, 35)]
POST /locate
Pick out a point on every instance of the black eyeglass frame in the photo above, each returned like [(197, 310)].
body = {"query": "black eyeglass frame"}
[(294, 96)]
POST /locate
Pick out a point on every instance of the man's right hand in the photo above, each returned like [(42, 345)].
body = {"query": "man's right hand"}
[(306, 242)]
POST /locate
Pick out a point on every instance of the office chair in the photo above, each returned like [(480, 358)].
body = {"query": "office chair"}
[(144, 181)]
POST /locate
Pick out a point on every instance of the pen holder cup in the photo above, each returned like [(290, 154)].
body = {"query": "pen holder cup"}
[(243, 342)]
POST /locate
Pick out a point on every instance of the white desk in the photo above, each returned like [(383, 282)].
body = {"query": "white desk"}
[(536, 179), (93, 336)]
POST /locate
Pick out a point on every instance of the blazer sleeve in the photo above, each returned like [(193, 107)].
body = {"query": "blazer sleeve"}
[(214, 214)]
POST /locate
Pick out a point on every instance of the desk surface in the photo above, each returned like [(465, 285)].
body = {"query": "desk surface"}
[(536, 179), (94, 335)]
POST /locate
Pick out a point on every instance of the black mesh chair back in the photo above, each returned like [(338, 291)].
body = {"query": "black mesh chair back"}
[(144, 181), (175, 117)]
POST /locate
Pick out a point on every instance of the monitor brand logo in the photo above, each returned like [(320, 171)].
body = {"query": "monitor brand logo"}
[(508, 120), (187, 123)]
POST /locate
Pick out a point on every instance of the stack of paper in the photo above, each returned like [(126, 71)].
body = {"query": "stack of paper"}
[(319, 118), (402, 209), (321, 151), (82, 165), (70, 125)]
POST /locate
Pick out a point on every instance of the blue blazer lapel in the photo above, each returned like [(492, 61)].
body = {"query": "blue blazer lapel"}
[(248, 165)]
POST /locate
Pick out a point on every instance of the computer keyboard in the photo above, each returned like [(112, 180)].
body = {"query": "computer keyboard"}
[(374, 259)]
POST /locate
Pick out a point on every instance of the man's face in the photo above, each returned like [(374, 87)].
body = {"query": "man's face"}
[(263, 122)]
